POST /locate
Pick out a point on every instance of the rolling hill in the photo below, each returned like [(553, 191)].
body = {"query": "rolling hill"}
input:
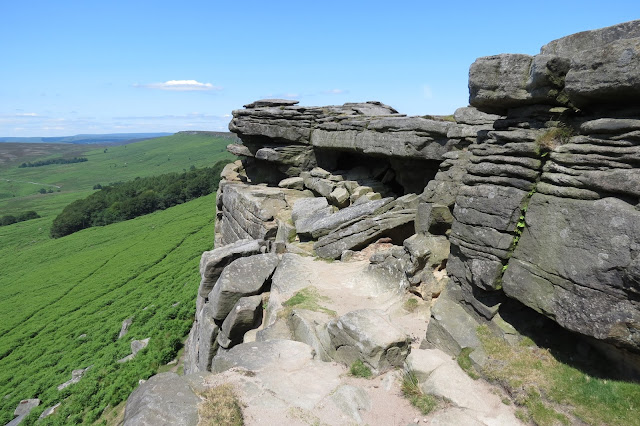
[(19, 187), (62, 302)]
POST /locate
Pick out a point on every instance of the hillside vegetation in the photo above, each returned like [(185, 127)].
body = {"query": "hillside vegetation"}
[(63, 302), (131, 199), (19, 187)]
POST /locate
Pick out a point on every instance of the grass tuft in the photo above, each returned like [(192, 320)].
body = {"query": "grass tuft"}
[(411, 305), (465, 363), (359, 369), (220, 407), (308, 298), (554, 137), (411, 390)]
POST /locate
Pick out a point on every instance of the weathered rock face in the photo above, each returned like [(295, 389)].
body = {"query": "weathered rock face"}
[(163, 399), (582, 70), (548, 210), (531, 193), (367, 336), (281, 139)]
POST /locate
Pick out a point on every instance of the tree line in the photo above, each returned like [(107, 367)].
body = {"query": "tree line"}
[(9, 219), (54, 161), (127, 200)]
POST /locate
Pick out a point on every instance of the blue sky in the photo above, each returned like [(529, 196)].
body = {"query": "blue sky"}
[(69, 67)]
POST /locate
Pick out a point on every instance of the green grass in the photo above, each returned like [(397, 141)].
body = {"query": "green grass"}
[(411, 390), (119, 163), (554, 137), (465, 363), (53, 291), (410, 305), (220, 406), (359, 369), (309, 299), (544, 385)]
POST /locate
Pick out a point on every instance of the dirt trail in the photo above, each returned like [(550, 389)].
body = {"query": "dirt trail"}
[(305, 391)]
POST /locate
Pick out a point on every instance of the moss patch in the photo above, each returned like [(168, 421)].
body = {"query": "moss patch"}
[(465, 363), (411, 305), (554, 137)]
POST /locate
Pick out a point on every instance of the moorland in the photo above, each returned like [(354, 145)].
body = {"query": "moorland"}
[(63, 301)]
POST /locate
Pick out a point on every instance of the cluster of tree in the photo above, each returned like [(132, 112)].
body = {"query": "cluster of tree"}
[(127, 200), (54, 161), (10, 219), (46, 191)]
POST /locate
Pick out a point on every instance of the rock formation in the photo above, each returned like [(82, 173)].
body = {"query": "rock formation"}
[(524, 204)]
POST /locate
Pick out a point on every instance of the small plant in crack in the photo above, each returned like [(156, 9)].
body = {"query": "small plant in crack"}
[(554, 137)]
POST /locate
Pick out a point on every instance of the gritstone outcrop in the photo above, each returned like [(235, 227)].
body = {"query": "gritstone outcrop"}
[(523, 204)]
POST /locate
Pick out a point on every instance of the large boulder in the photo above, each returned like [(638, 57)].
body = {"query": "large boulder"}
[(245, 276), (164, 399), (213, 262), (499, 82), (366, 335), (605, 74), (584, 69), (355, 235), (577, 262), (245, 315)]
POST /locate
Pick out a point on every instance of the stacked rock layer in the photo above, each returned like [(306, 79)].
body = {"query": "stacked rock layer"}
[(530, 194)]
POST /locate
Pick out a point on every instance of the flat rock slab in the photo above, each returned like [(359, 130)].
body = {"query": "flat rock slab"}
[(356, 235), (258, 355), (340, 286), (422, 362), (368, 336), (164, 399), (451, 383)]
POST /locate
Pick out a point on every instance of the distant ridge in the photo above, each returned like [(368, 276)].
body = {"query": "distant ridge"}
[(227, 135), (85, 139)]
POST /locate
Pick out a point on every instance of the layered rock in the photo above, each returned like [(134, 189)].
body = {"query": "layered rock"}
[(582, 70), (547, 212), (527, 198), (281, 139)]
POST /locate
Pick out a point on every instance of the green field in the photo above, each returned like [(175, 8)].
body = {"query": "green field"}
[(19, 187), (52, 292)]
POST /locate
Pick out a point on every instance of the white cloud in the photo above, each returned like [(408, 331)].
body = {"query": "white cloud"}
[(335, 92), (27, 114), (181, 86)]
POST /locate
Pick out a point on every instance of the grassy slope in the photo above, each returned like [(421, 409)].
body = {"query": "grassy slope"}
[(119, 163), (52, 291), (87, 283)]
